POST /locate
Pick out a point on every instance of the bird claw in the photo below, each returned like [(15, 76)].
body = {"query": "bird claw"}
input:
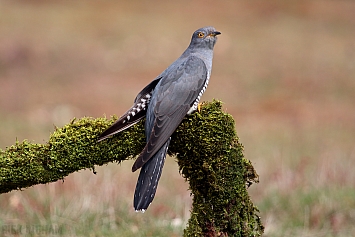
[(199, 106)]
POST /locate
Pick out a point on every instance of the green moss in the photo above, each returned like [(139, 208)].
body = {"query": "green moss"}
[(69, 149), (206, 147), (211, 159)]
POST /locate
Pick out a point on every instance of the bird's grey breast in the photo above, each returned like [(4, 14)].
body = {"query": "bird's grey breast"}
[(206, 56)]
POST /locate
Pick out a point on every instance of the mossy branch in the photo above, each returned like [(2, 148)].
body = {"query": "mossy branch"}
[(207, 149)]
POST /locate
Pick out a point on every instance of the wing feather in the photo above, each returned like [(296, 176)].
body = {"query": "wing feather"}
[(134, 114), (175, 95)]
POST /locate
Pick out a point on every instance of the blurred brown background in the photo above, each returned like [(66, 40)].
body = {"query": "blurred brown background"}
[(284, 69)]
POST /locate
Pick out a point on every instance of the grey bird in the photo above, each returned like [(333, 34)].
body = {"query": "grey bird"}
[(172, 95)]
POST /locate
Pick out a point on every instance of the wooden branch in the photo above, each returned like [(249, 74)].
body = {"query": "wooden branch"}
[(206, 147)]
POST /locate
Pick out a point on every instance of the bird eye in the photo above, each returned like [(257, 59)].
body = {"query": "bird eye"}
[(200, 34)]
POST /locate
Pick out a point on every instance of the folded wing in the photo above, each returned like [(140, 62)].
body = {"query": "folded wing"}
[(134, 114), (175, 95)]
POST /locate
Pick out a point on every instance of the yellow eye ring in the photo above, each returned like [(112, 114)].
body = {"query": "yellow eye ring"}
[(200, 35)]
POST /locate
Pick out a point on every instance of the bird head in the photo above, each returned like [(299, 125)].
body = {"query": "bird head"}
[(204, 37)]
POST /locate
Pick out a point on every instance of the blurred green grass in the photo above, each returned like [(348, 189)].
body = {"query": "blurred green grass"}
[(285, 70)]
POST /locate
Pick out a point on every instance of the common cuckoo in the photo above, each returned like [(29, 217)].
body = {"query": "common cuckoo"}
[(164, 102)]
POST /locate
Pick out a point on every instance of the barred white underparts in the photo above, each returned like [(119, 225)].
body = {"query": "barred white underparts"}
[(195, 104), (142, 105)]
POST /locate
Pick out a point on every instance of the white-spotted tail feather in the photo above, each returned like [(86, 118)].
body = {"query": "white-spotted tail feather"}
[(131, 117)]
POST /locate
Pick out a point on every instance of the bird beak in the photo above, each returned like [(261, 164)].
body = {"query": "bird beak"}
[(215, 33)]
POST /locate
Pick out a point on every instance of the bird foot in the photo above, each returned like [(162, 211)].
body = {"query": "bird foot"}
[(199, 106)]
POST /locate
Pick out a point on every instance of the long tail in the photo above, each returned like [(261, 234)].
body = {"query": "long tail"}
[(148, 179)]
